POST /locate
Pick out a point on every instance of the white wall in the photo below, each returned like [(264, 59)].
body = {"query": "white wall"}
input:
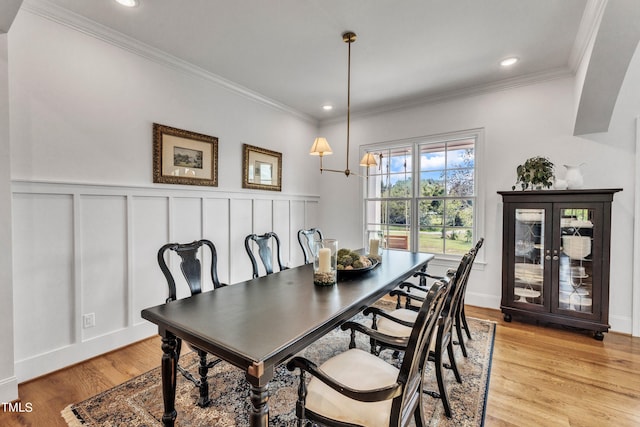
[(87, 218), (82, 110), (518, 123), (8, 383)]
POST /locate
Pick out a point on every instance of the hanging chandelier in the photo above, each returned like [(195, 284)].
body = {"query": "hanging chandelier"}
[(321, 146)]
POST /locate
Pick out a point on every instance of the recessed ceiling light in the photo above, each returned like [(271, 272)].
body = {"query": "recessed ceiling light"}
[(128, 3), (509, 61), (327, 107)]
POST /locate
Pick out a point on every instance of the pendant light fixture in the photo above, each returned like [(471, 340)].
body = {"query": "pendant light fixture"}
[(321, 146)]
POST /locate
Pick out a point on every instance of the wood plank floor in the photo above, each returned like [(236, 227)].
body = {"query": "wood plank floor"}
[(541, 376)]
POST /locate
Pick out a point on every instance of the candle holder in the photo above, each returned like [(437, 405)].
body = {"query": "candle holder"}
[(375, 244), (325, 262)]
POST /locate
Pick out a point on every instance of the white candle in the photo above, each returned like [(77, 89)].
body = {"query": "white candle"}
[(324, 260), (373, 246)]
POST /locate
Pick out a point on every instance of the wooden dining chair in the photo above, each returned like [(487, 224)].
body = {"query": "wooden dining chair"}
[(356, 388), (264, 252), (417, 293), (399, 323), (306, 238), (191, 268)]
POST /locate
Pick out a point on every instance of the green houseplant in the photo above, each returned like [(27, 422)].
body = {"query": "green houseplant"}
[(535, 172)]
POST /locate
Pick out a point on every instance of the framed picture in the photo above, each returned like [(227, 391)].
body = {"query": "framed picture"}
[(262, 168), (183, 157)]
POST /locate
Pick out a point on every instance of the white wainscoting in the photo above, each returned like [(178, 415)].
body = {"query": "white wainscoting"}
[(81, 249)]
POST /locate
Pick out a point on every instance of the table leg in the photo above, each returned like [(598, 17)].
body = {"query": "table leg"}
[(259, 375), (423, 279), (169, 365), (259, 406)]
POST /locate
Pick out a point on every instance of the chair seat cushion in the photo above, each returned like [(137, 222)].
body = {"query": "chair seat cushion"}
[(359, 370), (418, 293), (392, 328)]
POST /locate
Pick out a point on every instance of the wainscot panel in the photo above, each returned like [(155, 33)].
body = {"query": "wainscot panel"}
[(81, 249)]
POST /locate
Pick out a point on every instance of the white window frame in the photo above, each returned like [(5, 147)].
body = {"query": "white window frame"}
[(478, 196)]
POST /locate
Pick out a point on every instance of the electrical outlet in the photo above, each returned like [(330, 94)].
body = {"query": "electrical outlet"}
[(89, 320)]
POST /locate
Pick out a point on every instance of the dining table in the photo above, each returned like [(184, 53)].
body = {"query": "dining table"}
[(260, 323)]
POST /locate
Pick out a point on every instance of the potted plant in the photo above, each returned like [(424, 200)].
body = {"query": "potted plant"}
[(535, 173)]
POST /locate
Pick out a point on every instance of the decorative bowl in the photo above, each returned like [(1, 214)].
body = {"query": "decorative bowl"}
[(343, 274)]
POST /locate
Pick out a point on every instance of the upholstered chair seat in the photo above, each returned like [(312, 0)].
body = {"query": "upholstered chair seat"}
[(357, 369), (395, 329)]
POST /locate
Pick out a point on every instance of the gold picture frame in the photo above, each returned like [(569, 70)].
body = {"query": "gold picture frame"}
[(262, 168), (184, 157)]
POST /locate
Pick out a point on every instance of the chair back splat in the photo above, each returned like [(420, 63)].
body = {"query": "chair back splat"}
[(306, 239), (264, 252), (189, 265)]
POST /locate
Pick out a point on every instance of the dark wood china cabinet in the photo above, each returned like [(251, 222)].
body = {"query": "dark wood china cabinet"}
[(555, 257)]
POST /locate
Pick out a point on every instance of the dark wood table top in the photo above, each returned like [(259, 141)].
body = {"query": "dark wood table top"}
[(259, 323)]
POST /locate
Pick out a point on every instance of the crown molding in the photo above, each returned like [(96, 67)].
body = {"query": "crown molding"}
[(55, 13), (505, 84)]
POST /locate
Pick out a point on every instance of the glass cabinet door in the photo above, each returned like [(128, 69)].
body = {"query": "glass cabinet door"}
[(529, 260), (576, 268)]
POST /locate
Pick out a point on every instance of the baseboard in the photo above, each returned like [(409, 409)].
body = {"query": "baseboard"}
[(482, 300), (8, 389), (622, 324), (63, 357)]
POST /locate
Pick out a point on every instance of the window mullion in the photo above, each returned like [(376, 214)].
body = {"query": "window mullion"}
[(415, 214)]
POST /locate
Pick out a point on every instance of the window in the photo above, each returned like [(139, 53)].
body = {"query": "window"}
[(423, 193)]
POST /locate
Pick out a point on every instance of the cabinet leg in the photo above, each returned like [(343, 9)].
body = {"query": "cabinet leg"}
[(598, 335), (507, 317)]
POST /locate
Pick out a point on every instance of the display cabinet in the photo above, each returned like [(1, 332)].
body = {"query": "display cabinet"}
[(555, 257)]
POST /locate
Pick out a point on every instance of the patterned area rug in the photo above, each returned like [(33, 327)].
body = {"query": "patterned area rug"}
[(138, 402)]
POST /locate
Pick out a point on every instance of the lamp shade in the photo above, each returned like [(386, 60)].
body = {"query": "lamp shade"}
[(368, 160), (320, 147)]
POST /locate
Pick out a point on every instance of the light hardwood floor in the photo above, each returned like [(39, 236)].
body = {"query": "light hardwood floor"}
[(540, 376)]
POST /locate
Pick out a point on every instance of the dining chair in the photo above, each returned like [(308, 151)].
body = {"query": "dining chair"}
[(264, 252), (356, 388), (306, 238), (191, 268), (399, 323), (411, 292)]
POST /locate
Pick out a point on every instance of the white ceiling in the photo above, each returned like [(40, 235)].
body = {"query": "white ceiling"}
[(409, 51)]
